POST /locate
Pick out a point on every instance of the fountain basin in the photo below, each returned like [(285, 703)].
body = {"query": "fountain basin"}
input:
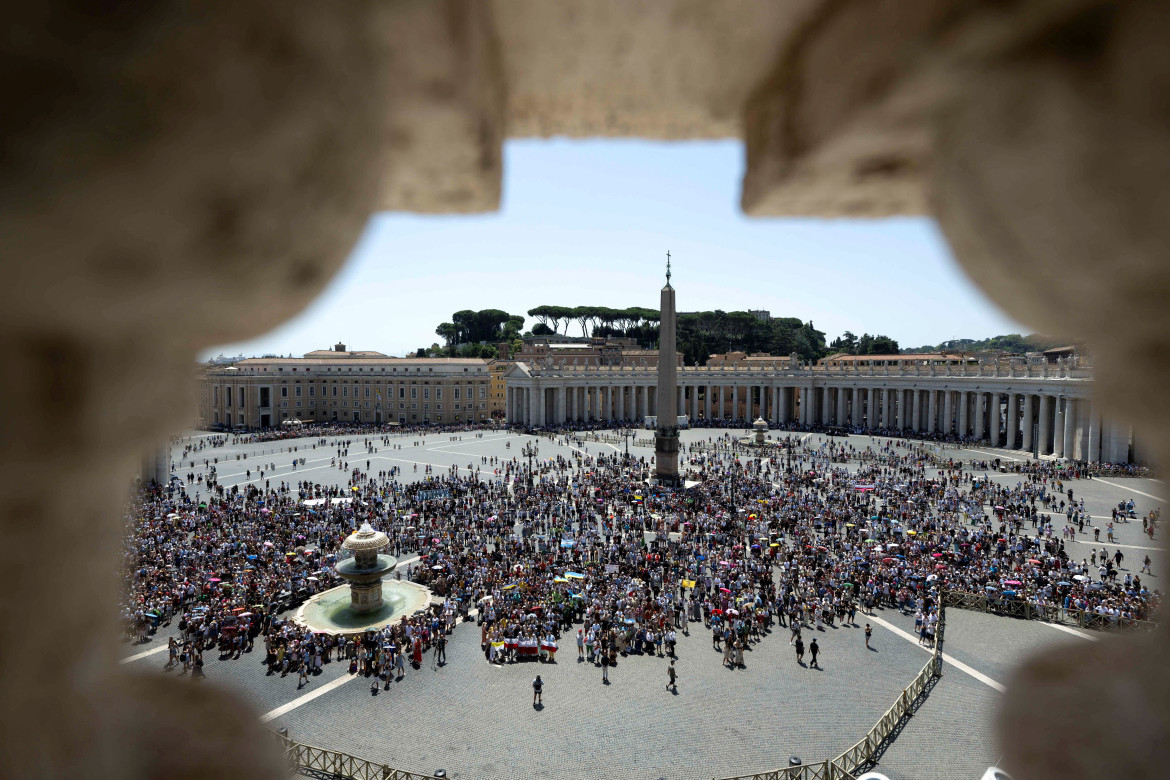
[(331, 611)]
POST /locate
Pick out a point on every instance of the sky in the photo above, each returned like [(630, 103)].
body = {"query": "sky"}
[(590, 222)]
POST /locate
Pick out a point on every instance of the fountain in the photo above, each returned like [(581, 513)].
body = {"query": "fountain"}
[(760, 426), (366, 601), (364, 571)]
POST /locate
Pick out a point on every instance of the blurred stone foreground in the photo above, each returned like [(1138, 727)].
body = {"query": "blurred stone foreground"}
[(178, 175)]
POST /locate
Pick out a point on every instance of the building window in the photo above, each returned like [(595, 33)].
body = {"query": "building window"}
[(298, 404), (426, 392), (414, 406), (413, 394), (402, 392), (439, 407), (439, 393), (367, 391), (335, 391), (483, 392), (265, 400), (345, 391), (456, 395), (297, 391), (401, 406), (312, 391), (283, 392)]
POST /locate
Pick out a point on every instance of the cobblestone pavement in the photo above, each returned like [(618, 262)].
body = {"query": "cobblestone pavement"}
[(476, 720)]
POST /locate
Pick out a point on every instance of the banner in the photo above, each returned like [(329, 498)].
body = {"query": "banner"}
[(611, 568), (688, 583)]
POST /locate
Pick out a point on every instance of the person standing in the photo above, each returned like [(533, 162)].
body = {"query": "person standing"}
[(813, 649), (537, 690), (441, 649), (580, 645), (868, 634), (799, 650), (672, 676), (604, 664)]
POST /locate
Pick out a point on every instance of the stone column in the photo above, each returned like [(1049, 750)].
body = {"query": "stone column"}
[(1026, 423), (782, 405), (1094, 453), (645, 402), (1070, 428), (803, 411), (841, 398), (916, 421), (900, 414), (1045, 431), (1059, 405), (964, 413), (932, 412), (886, 402), (980, 415), (1012, 423), (948, 417), (993, 421), (707, 402), (826, 406), (735, 400)]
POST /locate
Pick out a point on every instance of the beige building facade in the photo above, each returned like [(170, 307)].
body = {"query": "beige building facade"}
[(337, 386)]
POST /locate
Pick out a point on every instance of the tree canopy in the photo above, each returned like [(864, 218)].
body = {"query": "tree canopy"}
[(1011, 342), (865, 345)]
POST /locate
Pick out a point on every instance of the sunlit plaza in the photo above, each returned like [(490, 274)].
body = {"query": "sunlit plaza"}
[(472, 718)]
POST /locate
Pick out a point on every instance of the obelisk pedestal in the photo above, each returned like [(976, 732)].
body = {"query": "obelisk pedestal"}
[(666, 435)]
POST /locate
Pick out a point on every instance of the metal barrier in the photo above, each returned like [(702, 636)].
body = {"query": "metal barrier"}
[(319, 762), (979, 602), (862, 754)]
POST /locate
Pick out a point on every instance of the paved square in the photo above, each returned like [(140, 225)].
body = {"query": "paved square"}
[(476, 719)]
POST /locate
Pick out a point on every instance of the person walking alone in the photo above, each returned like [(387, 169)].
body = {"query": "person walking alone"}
[(537, 689), (671, 675), (868, 634), (813, 649), (800, 651)]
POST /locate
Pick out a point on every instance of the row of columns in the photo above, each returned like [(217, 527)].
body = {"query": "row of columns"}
[(1049, 424)]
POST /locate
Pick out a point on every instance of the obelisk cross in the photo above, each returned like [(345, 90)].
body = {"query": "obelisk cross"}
[(668, 266)]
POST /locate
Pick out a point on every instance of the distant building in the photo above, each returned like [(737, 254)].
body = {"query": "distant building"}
[(763, 315), (338, 385), (907, 359), (497, 393), (736, 357), (588, 352)]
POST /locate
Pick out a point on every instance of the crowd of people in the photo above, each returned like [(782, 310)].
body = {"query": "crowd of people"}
[(801, 534)]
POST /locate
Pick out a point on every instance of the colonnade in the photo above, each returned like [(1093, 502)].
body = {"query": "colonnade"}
[(1045, 415)]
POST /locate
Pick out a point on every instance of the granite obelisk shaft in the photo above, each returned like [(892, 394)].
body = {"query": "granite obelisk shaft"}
[(666, 436)]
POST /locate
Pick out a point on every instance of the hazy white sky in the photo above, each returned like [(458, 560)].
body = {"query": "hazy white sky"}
[(589, 223)]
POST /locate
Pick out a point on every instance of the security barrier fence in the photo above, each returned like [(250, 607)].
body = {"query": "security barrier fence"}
[(319, 762), (1053, 613)]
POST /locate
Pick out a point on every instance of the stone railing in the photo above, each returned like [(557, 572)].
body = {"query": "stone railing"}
[(1052, 613), (860, 756)]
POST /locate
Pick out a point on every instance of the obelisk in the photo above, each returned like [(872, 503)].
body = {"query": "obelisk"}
[(666, 435)]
